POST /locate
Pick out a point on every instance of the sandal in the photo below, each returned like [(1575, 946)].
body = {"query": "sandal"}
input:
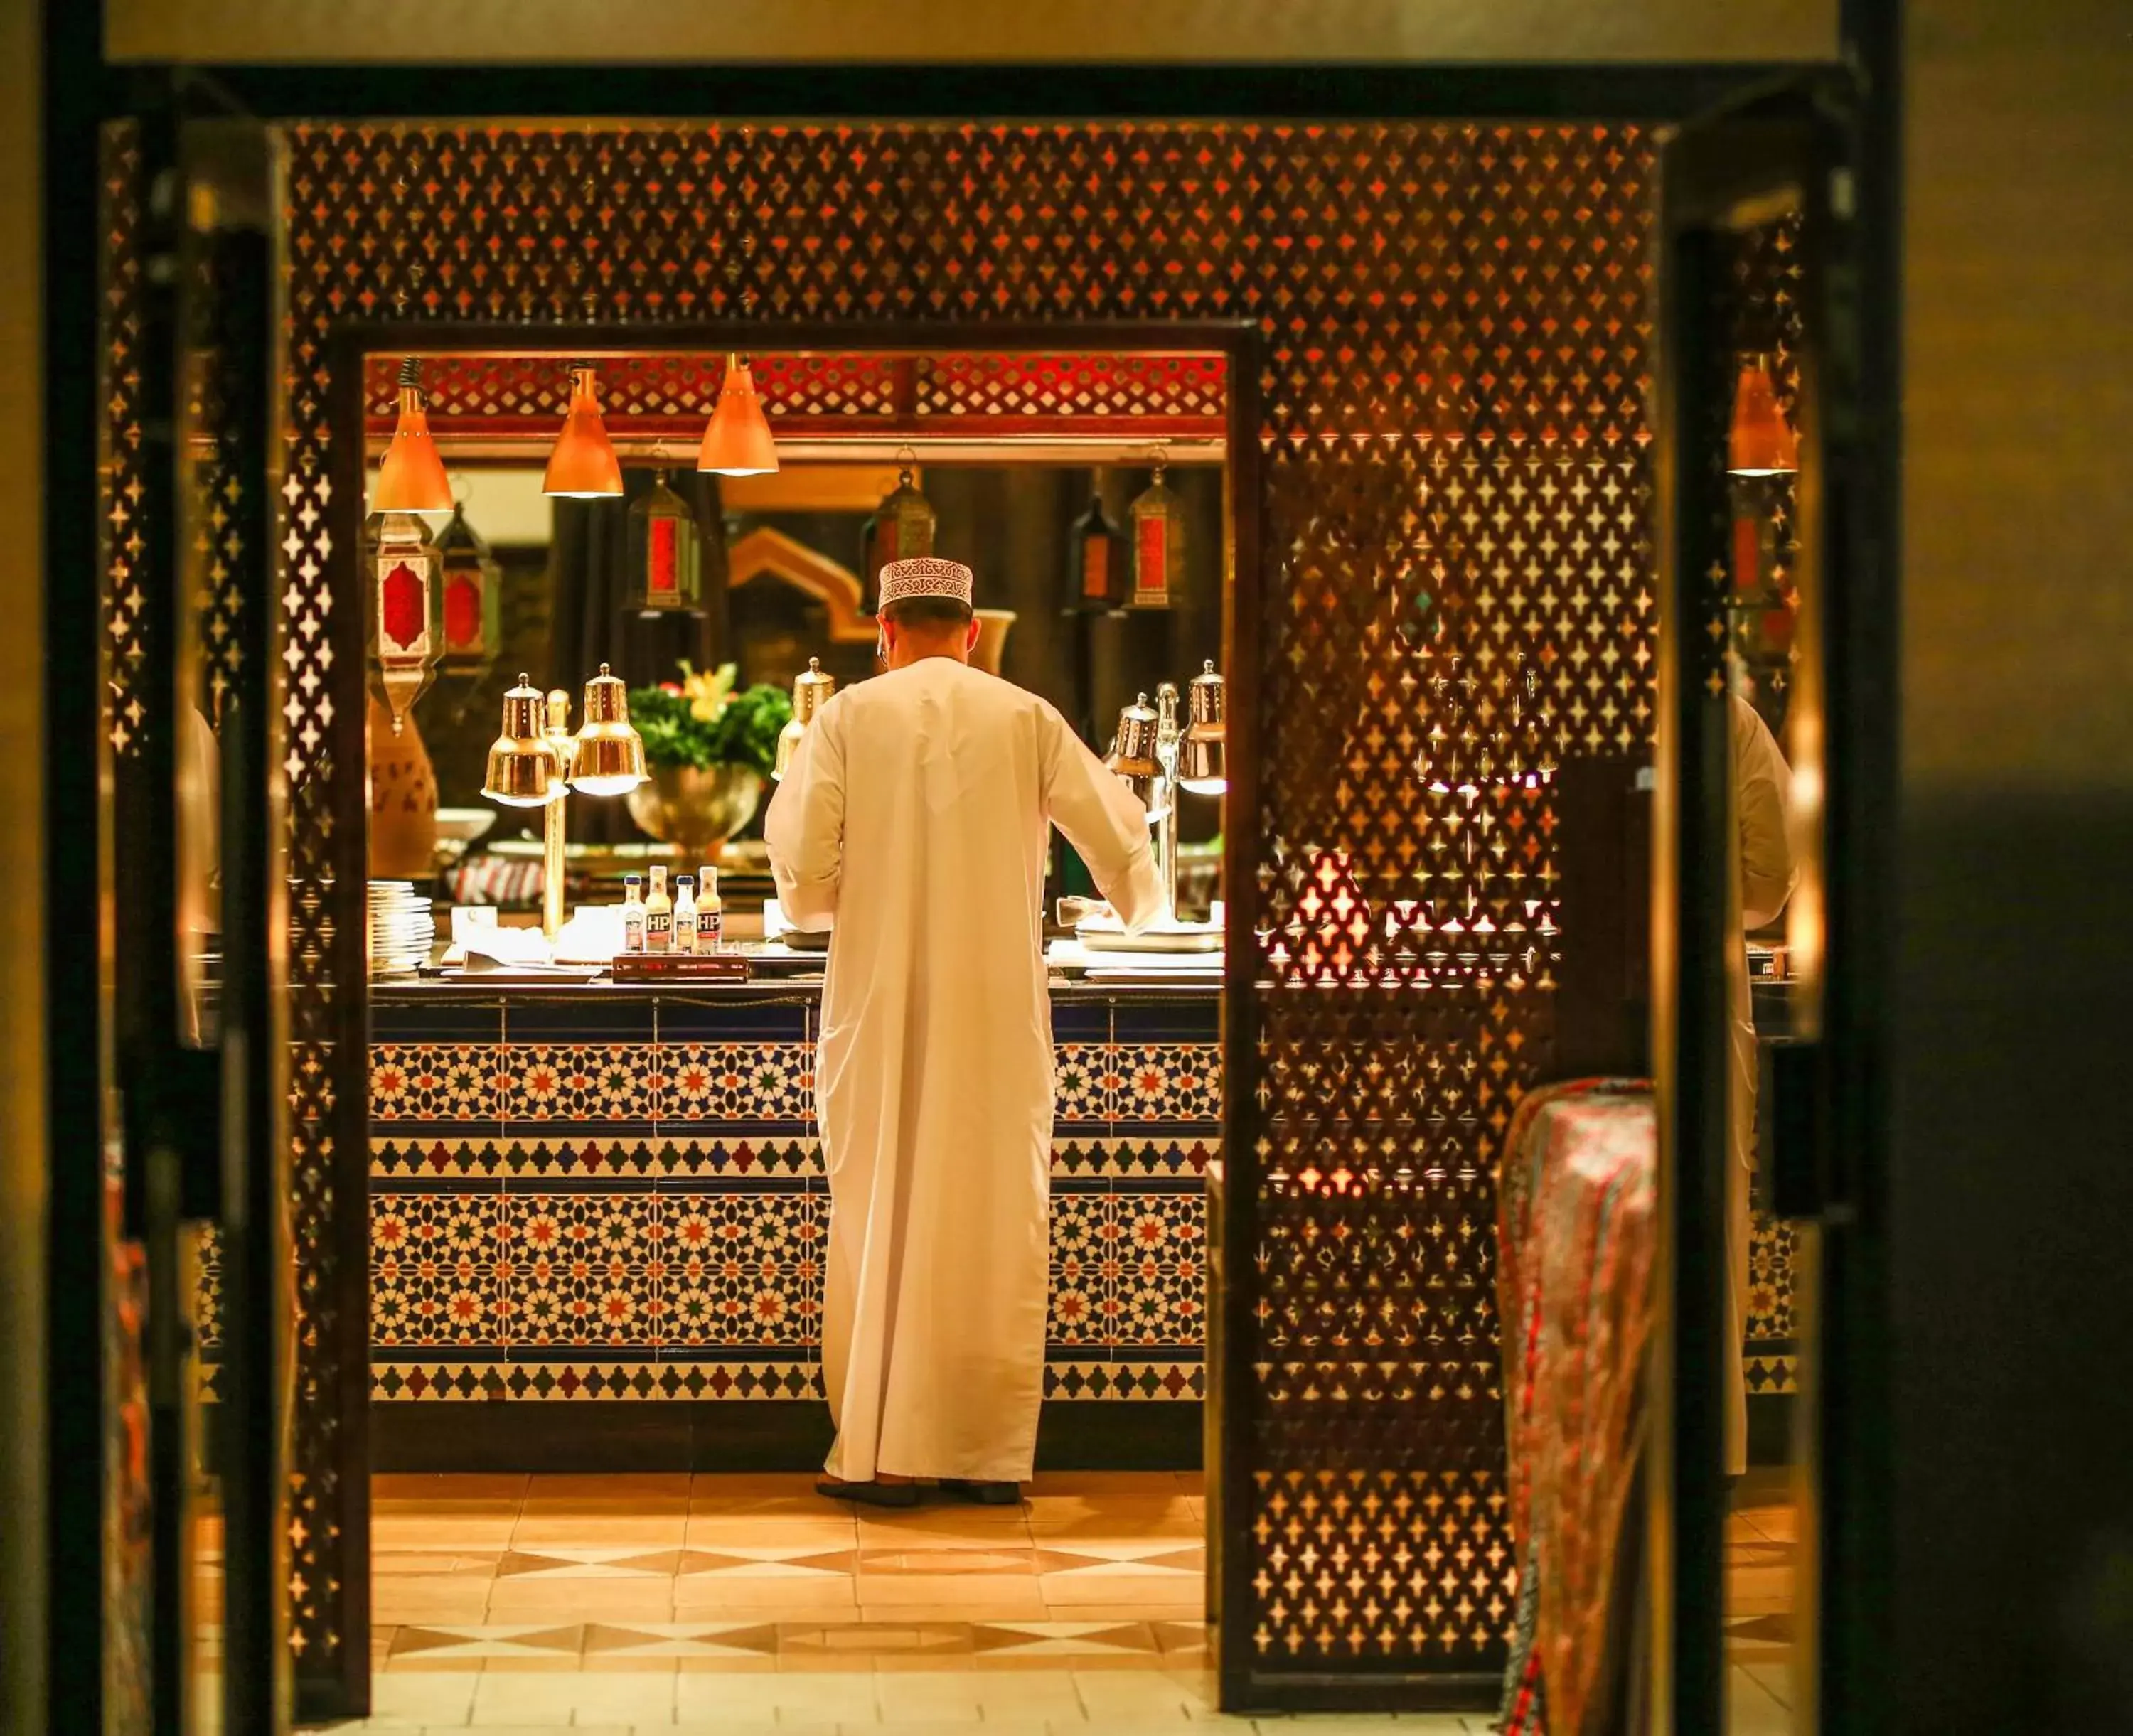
[(868, 1494)]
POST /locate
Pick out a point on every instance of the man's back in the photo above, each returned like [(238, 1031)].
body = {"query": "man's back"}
[(945, 801)]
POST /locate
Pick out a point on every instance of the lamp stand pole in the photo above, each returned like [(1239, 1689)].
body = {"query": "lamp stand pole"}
[(564, 745), (1166, 830)]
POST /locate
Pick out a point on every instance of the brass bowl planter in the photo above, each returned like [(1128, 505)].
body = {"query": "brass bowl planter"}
[(696, 811)]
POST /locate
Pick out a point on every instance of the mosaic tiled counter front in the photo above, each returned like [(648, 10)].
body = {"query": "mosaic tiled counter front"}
[(614, 1195)]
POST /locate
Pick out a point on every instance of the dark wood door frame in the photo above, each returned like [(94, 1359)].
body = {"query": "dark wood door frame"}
[(1640, 93)]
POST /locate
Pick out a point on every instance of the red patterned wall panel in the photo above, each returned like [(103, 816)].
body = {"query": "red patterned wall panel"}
[(644, 398)]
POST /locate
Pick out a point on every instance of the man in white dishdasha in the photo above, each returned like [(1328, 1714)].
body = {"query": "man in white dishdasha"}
[(912, 823)]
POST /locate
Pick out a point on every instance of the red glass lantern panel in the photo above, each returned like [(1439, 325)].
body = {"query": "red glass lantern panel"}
[(1158, 544)]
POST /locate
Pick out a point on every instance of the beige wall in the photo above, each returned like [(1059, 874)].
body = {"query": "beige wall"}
[(660, 30), (22, 1172), (2017, 525), (2008, 1192)]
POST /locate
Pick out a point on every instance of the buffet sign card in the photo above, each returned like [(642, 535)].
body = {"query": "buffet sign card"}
[(681, 967)]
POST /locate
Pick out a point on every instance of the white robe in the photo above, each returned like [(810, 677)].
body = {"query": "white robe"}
[(1756, 892), (912, 823)]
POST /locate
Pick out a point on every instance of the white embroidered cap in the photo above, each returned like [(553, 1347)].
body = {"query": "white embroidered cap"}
[(925, 576)]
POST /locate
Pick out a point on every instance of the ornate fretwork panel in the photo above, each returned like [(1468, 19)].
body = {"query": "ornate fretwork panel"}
[(118, 394), (1459, 598), (1455, 595), (1766, 539)]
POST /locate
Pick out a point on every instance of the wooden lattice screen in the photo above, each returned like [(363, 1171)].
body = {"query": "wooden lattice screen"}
[(1453, 518)]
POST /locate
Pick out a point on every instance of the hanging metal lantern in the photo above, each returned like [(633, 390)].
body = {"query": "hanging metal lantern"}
[(472, 584), (901, 529), (666, 553), (1097, 574), (407, 612), (1158, 545)]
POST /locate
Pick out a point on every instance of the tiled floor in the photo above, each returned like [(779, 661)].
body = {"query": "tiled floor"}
[(1758, 1594), (733, 1605)]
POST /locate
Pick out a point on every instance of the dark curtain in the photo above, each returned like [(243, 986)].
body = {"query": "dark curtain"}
[(589, 562)]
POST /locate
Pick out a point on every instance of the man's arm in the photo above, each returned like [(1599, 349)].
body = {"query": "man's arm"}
[(1102, 822), (805, 828)]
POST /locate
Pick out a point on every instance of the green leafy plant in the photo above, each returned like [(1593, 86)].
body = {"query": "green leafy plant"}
[(701, 722)]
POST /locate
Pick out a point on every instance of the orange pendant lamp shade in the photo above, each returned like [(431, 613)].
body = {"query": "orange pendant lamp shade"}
[(737, 442), (583, 465), (412, 478), (1762, 442)]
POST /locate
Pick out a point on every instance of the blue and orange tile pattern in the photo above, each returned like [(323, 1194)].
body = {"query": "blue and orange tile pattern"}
[(624, 1198)]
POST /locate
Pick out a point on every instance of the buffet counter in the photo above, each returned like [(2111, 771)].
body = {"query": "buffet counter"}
[(598, 1213)]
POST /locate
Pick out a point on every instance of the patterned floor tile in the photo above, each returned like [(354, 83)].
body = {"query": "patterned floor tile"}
[(985, 1596), (682, 1639), (434, 1564), (1181, 1639), (471, 1530), (636, 1600), (625, 1699), (1139, 1557), (561, 1563), (1174, 1593), (1069, 1520), (931, 1700), (489, 1640), (1064, 1639), (782, 1698), (962, 1557), (772, 1600), (870, 1640), (985, 1527), (713, 1590), (626, 1535), (743, 1566), (421, 1604)]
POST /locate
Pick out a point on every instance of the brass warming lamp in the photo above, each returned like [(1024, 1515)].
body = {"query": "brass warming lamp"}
[(607, 757), (1157, 759), (1203, 752), (810, 692), (536, 762), (1133, 758)]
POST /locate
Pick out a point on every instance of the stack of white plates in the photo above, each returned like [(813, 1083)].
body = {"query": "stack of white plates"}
[(402, 930)]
